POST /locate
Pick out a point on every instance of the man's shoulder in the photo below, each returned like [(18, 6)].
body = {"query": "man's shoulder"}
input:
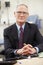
[(10, 27), (31, 24)]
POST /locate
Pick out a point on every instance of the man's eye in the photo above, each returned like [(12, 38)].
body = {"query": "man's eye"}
[(21, 12)]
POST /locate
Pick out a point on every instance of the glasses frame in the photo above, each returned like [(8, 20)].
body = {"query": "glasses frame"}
[(19, 12)]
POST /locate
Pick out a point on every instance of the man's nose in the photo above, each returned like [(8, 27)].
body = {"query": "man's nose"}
[(22, 14)]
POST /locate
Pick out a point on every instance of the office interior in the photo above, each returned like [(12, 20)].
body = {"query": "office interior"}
[(7, 18)]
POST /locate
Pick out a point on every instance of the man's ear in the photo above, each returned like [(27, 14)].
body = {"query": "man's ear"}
[(28, 15), (14, 14)]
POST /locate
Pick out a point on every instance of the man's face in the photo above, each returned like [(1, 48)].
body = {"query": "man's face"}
[(21, 14)]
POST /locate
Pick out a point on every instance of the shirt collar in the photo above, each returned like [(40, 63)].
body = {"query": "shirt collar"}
[(19, 26)]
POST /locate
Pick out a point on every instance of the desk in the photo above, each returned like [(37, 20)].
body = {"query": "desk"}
[(31, 61), (41, 54)]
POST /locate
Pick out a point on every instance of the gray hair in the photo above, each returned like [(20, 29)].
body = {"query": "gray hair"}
[(23, 5)]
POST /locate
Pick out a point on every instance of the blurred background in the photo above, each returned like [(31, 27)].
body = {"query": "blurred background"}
[(7, 18)]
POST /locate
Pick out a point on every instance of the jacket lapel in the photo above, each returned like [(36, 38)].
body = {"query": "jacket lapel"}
[(26, 33), (14, 34)]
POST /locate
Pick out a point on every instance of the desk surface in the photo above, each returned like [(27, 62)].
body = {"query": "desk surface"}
[(41, 54), (31, 61)]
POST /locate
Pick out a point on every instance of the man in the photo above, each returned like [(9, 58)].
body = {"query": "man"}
[(32, 41)]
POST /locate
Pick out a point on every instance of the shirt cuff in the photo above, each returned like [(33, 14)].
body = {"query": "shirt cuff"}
[(15, 52), (37, 49)]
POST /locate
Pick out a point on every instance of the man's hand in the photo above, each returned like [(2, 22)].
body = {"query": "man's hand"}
[(20, 51), (26, 50)]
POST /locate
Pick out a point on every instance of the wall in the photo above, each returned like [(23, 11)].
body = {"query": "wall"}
[(7, 14)]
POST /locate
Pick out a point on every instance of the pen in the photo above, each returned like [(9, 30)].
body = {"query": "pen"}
[(25, 44), (29, 45)]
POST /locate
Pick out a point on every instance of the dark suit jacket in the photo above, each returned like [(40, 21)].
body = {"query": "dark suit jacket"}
[(31, 36)]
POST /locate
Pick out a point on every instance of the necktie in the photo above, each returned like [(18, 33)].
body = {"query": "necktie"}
[(21, 38)]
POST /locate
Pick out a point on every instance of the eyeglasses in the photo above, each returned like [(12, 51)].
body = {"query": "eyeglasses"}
[(19, 12)]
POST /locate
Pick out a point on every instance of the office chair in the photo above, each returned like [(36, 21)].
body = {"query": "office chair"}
[(33, 19)]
